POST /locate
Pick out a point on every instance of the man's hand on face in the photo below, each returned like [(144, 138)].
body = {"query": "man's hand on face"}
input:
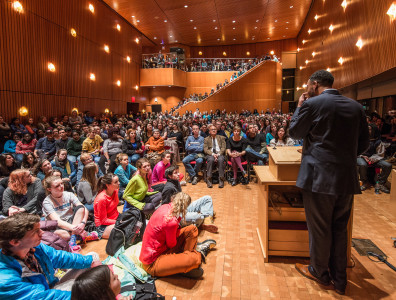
[(302, 98)]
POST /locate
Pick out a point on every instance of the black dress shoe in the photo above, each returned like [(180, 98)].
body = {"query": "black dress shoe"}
[(221, 184), (209, 183), (304, 270)]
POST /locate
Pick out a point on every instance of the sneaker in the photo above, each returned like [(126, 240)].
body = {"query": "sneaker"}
[(195, 180), (234, 182), (183, 183), (92, 236), (384, 189), (205, 247), (189, 179), (364, 186), (74, 248), (194, 273)]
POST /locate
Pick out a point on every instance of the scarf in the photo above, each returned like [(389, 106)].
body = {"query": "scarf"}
[(64, 165)]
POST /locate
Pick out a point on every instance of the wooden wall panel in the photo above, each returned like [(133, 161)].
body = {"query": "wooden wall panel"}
[(162, 77), (168, 97), (361, 19), (259, 90), (41, 34)]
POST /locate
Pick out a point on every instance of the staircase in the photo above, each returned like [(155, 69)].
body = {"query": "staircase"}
[(246, 82)]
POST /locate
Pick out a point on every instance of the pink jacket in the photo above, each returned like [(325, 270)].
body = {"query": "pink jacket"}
[(160, 235), (159, 172)]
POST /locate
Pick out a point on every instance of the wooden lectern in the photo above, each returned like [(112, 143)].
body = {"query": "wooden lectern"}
[(282, 230)]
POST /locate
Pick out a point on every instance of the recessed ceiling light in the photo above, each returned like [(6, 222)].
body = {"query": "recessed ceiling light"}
[(298, 49), (185, 6), (268, 38), (214, 20), (170, 36), (138, 21), (233, 39), (191, 20), (233, 21), (155, 38), (331, 28), (133, 16), (215, 27), (287, 27), (359, 44), (291, 6), (257, 21), (276, 21), (255, 27), (287, 22), (165, 21), (118, 27), (341, 61), (309, 31), (218, 39), (284, 36), (195, 27), (316, 17), (233, 27)]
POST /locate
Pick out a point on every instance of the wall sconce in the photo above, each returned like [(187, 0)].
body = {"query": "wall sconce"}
[(137, 40), (23, 111), (331, 28), (304, 86), (306, 61), (392, 11), (92, 76), (301, 67), (128, 59), (75, 109), (200, 52), (136, 87), (224, 53), (313, 54), (344, 4), (341, 61), (143, 110), (359, 44), (304, 41), (51, 67), (272, 52), (106, 111), (73, 32), (298, 49), (328, 70), (118, 82), (118, 27), (309, 31), (248, 53), (17, 6), (316, 17), (106, 49), (91, 8), (297, 88)]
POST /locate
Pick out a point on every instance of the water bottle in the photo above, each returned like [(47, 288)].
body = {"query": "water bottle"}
[(377, 188)]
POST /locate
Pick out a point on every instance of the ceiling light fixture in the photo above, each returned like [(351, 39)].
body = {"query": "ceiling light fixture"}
[(341, 61), (298, 49), (155, 38), (316, 17), (248, 53), (344, 4), (51, 67), (304, 41), (106, 49), (328, 70), (392, 11), (128, 59), (272, 52), (359, 43), (301, 67), (73, 32), (17, 6), (118, 27), (119, 82), (233, 21), (137, 40), (309, 31), (304, 86), (257, 21), (215, 27), (137, 21), (224, 53), (92, 77), (291, 6), (313, 54), (91, 8), (306, 62), (185, 6), (165, 21), (195, 27), (200, 52), (214, 20), (191, 20), (331, 28), (136, 87)]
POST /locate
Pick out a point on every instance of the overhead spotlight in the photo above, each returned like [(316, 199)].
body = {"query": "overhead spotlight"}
[(51, 67), (392, 11), (91, 8), (359, 43), (106, 49), (248, 53), (272, 52), (306, 61), (341, 61), (298, 88), (298, 49), (118, 27), (328, 70), (313, 54), (331, 28), (195, 27), (224, 53), (215, 27), (155, 38), (301, 67), (191, 20), (185, 6), (304, 41), (316, 17), (128, 59), (344, 4), (165, 21), (136, 87), (17, 6), (137, 40), (73, 32), (309, 31), (118, 82), (304, 86), (92, 77), (233, 21)]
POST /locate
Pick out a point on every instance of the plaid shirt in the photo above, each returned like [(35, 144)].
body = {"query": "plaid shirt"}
[(29, 260)]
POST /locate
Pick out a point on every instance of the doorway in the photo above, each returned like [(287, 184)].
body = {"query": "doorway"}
[(157, 108)]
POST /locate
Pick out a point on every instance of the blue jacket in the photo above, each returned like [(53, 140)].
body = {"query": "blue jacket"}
[(124, 175), (9, 146), (73, 171), (194, 145), (13, 284)]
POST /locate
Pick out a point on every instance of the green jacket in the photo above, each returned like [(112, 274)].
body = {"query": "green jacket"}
[(136, 190)]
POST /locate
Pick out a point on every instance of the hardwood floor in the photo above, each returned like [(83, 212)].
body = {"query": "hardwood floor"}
[(236, 270)]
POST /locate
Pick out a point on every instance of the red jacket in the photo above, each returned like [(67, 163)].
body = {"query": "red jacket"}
[(160, 234), (105, 208)]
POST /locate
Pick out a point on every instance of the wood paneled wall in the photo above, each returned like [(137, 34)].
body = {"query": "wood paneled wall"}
[(361, 19), (162, 77), (41, 34), (168, 97), (261, 89)]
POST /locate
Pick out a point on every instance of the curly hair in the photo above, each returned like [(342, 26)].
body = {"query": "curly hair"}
[(180, 202), (16, 182), (119, 157), (16, 227)]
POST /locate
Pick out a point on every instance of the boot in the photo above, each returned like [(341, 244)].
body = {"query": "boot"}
[(221, 183), (194, 273), (205, 247), (209, 226), (209, 183)]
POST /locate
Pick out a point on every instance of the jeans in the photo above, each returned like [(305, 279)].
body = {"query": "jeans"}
[(198, 210), (18, 156), (253, 156), (386, 169), (133, 159), (89, 207), (192, 171)]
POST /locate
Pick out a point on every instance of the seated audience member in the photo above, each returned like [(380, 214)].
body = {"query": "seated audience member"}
[(27, 144), (147, 133), (374, 156), (21, 194), (5, 133), (91, 144), (199, 212), (132, 146), (105, 205), (215, 149), (45, 147), (154, 147), (42, 168), (219, 130), (86, 190), (256, 150), (194, 150), (137, 191), (167, 249), (111, 148), (281, 139), (27, 266), (63, 164), (10, 145), (31, 127), (29, 161), (7, 165), (17, 127), (85, 159), (98, 283), (158, 175), (42, 123), (74, 146), (271, 135), (75, 119), (236, 151), (65, 208), (63, 140), (124, 172)]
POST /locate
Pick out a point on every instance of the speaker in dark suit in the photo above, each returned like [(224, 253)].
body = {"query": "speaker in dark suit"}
[(335, 132)]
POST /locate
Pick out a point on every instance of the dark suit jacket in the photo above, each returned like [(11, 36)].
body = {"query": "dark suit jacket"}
[(208, 144), (335, 132)]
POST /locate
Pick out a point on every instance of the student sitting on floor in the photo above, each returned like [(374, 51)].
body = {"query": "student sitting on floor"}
[(158, 175), (124, 172), (167, 249), (27, 266)]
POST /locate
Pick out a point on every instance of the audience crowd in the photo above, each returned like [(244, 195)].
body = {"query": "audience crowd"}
[(75, 170)]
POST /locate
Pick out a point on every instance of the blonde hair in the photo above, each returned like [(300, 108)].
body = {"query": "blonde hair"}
[(84, 157), (16, 182), (119, 157), (180, 202), (47, 183)]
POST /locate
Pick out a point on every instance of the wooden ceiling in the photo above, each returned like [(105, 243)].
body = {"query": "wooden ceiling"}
[(214, 22)]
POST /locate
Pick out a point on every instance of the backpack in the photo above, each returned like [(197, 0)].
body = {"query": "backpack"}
[(128, 230)]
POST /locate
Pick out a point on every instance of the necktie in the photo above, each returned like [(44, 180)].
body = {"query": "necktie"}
[(214, 146)]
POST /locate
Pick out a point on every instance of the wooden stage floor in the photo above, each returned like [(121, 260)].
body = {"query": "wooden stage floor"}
[(236, 270)]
